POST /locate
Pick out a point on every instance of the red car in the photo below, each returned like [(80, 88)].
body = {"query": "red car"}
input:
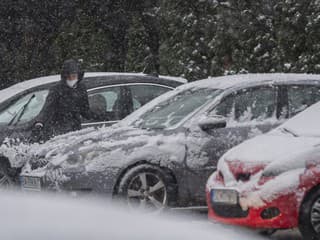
[(272, 181)]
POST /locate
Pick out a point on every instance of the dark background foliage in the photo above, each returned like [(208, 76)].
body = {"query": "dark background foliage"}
[(193, 39)]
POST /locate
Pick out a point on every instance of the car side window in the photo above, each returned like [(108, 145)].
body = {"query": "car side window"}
[(102, 103), (115, 103), (302, 96), (25, 109), (249, 104), (144, 93), (226, 107), (255, 104)]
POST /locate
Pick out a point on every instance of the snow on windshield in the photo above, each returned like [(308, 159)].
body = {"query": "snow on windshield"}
[(304, 124), (170, 112)]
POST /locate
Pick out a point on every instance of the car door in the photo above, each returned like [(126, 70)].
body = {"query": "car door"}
[(17, 118), (249, 112), (113, 103)]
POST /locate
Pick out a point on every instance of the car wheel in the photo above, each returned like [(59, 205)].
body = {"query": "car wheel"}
[(147, 187), (309, 217)]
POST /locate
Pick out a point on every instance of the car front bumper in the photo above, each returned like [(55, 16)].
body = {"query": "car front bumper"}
[(76, 183), (280, 213)]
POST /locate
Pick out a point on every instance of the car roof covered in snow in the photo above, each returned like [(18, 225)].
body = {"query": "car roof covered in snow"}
[(19, 87), (238, 80), (224, 83)]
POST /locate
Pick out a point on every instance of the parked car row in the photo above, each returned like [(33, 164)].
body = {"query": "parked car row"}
[(162, 154)]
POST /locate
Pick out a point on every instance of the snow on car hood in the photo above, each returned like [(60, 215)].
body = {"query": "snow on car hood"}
[(269, 147), (264, 149), (283, 155), (288, 147), (94, 150), (283, 158)]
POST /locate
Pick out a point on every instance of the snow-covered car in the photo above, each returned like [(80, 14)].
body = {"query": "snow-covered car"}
[(47, 217), (163, 154), (111, 94), (272, 181)]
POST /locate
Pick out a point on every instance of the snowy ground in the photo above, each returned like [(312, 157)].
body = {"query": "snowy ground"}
[(53, 217), (287, 235)]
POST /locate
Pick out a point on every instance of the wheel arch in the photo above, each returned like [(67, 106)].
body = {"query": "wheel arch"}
[(309, 193), (305, 225)]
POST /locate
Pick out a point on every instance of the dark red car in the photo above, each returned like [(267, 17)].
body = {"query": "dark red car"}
[(272, 181)]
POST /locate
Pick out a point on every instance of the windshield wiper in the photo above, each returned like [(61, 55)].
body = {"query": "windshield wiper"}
[(288, 130), (21, 111)]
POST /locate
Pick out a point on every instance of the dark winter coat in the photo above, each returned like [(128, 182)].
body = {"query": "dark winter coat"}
[(63, 109)]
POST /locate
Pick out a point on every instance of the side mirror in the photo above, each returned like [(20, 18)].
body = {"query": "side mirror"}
[(213, 122)]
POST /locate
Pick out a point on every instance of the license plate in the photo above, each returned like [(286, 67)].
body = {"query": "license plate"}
[(226, 196), (31, 183)]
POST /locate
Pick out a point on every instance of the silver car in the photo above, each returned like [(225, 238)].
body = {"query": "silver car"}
[(162, 154)]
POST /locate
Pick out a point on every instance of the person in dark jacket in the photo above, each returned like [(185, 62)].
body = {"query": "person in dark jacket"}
[(66, 102)]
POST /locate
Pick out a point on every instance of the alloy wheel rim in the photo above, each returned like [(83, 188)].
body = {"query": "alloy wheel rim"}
[(315, 216), (146, 191)]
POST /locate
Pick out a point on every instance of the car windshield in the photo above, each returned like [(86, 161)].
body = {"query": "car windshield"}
[(304, 124), (171, 111)]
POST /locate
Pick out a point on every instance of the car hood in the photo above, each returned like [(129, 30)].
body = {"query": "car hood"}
[(95, 150), (266, 167), (19, 153), (269, 151)]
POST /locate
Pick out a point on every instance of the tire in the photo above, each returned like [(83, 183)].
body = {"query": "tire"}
[(147, 187), (309, 216)]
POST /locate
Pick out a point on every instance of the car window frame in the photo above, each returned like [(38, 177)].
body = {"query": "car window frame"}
[(96, 90), (149, 85), (34, 93), (235, 93), (12, 100), (7, 103)]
